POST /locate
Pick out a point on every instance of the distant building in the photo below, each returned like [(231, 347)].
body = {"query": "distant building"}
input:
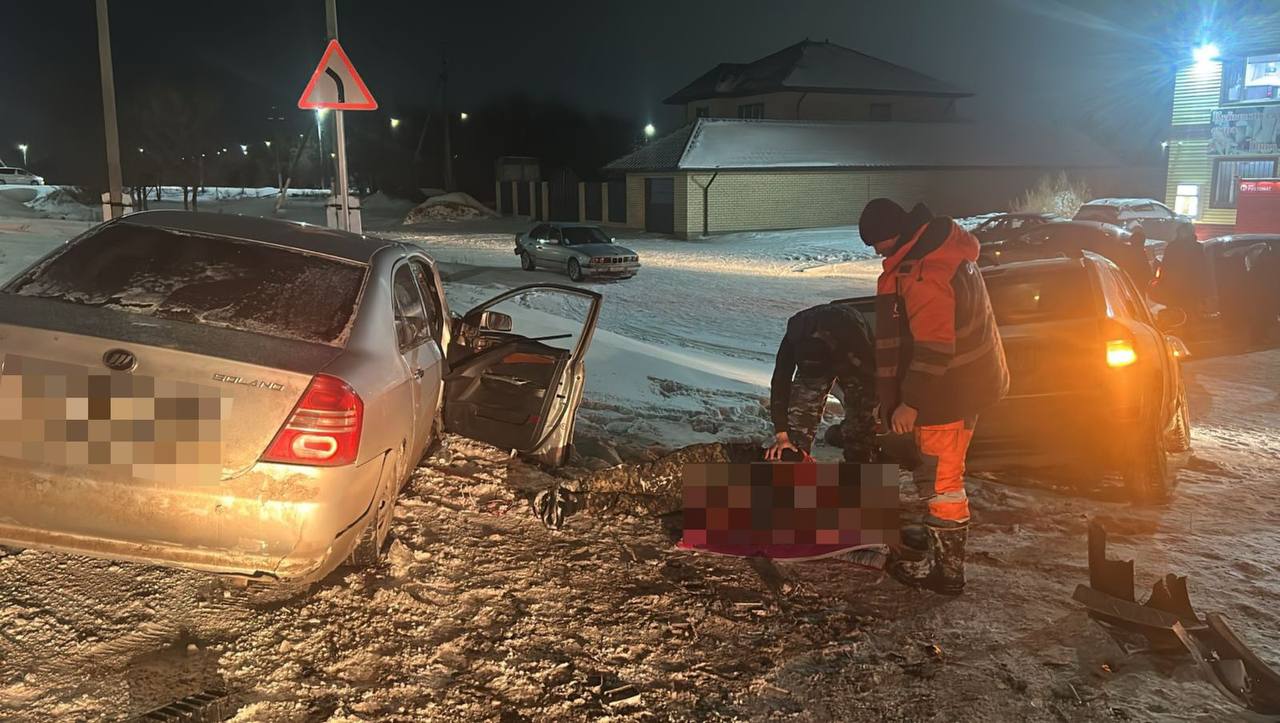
[(821, 82), (806, 136), (1226, 123)]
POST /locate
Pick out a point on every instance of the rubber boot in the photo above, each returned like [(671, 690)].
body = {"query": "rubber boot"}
[(941, 568), (910, 562), (947, 575)]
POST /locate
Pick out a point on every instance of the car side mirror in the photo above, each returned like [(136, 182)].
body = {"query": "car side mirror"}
[(495, 321), (1170, 318)]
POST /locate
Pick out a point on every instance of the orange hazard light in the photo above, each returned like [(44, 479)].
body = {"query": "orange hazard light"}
[(1120, 353)]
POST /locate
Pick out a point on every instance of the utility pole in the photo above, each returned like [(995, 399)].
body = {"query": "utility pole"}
[(114, 184), (448, 121), (340, 140)]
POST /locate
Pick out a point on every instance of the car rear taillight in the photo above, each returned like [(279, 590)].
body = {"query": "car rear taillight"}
[(324, 428), (1120, 353)]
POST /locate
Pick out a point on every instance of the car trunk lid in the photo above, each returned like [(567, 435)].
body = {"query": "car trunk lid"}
[(185, 403)]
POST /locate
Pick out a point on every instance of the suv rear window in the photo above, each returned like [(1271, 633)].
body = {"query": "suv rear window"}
[(1058, 294), (206, 280)]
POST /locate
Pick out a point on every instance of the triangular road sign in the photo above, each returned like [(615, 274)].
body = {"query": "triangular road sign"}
[(336, 84)]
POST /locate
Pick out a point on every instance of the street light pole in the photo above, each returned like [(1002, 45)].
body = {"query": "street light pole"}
[(23, 147), (340, 140), (114, 183)]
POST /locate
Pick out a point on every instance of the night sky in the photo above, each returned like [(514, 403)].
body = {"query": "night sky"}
[(1102, 67)]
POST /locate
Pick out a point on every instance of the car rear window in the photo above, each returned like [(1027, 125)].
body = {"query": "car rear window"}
[(1057, 294), (1097, 213), (207, 280)]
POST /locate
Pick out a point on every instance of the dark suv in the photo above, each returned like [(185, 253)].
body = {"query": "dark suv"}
[(1095, 386)]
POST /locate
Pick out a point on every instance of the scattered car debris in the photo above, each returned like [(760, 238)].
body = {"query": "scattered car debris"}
[(1171, 625)]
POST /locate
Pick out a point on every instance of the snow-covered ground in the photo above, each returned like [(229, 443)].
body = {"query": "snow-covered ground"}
[(482, 614), (684, 350)]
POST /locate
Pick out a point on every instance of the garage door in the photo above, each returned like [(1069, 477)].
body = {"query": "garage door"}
[(660, 205)]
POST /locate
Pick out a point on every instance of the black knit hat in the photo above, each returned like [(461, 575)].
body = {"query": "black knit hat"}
[(881, 220)]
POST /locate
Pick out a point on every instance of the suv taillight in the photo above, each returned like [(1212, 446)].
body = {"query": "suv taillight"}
[(324, 428)]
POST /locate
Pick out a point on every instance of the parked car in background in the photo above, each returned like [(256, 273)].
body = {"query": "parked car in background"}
[(580, 250), (1157, 220), (1071, 238), (247, 396), (1229, 292), (1095, 384), (19, 176), (1001, 227)]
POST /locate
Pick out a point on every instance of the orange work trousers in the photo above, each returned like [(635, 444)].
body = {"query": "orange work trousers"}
[(939, 477)]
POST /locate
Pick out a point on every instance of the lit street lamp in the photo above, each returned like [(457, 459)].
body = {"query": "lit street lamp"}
[(649, 130), (23, 147), (1205, 53), (463, 116), (395, 123), (244, 149)]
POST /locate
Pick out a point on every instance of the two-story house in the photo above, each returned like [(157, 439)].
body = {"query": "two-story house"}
[(818, 81), (806, 136), (1226, 122)]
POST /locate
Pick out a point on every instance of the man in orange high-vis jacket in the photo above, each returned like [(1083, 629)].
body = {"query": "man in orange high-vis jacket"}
[(939, 362)]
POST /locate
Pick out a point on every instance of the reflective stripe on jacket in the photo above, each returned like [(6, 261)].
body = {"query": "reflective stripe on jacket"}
[(937, 346)]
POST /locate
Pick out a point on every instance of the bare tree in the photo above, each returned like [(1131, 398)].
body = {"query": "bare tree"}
[(175, 130)]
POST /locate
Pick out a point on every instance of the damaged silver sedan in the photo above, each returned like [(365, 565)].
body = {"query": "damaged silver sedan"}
[(247, 396)]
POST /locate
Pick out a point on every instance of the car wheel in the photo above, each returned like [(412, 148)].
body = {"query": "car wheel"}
[(1146, 473), (526, 261), (575, 270), (1180, 436), (372, 544)]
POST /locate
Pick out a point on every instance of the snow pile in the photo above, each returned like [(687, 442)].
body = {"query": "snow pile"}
[(969, 223), (216, 193), (63, 202), (449, 207)]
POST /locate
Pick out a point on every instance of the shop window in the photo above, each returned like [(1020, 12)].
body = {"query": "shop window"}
[(881, 111), (1187, 200), (751, 110), (1227, 173), (1251, 79)]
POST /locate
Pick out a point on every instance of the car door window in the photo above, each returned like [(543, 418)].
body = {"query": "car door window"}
[(434, 308), (553, 235), (411, 313), (1120, 297), (539, 233)]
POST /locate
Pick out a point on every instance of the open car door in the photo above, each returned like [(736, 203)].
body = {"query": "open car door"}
[(516, 369), (866, 308)]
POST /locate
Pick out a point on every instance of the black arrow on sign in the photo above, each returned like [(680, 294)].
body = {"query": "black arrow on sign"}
[(342, 95)]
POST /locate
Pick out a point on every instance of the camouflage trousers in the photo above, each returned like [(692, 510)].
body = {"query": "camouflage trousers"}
[(809, 390)]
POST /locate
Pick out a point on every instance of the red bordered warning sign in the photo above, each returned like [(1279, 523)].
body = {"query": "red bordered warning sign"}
[(336, 84)]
